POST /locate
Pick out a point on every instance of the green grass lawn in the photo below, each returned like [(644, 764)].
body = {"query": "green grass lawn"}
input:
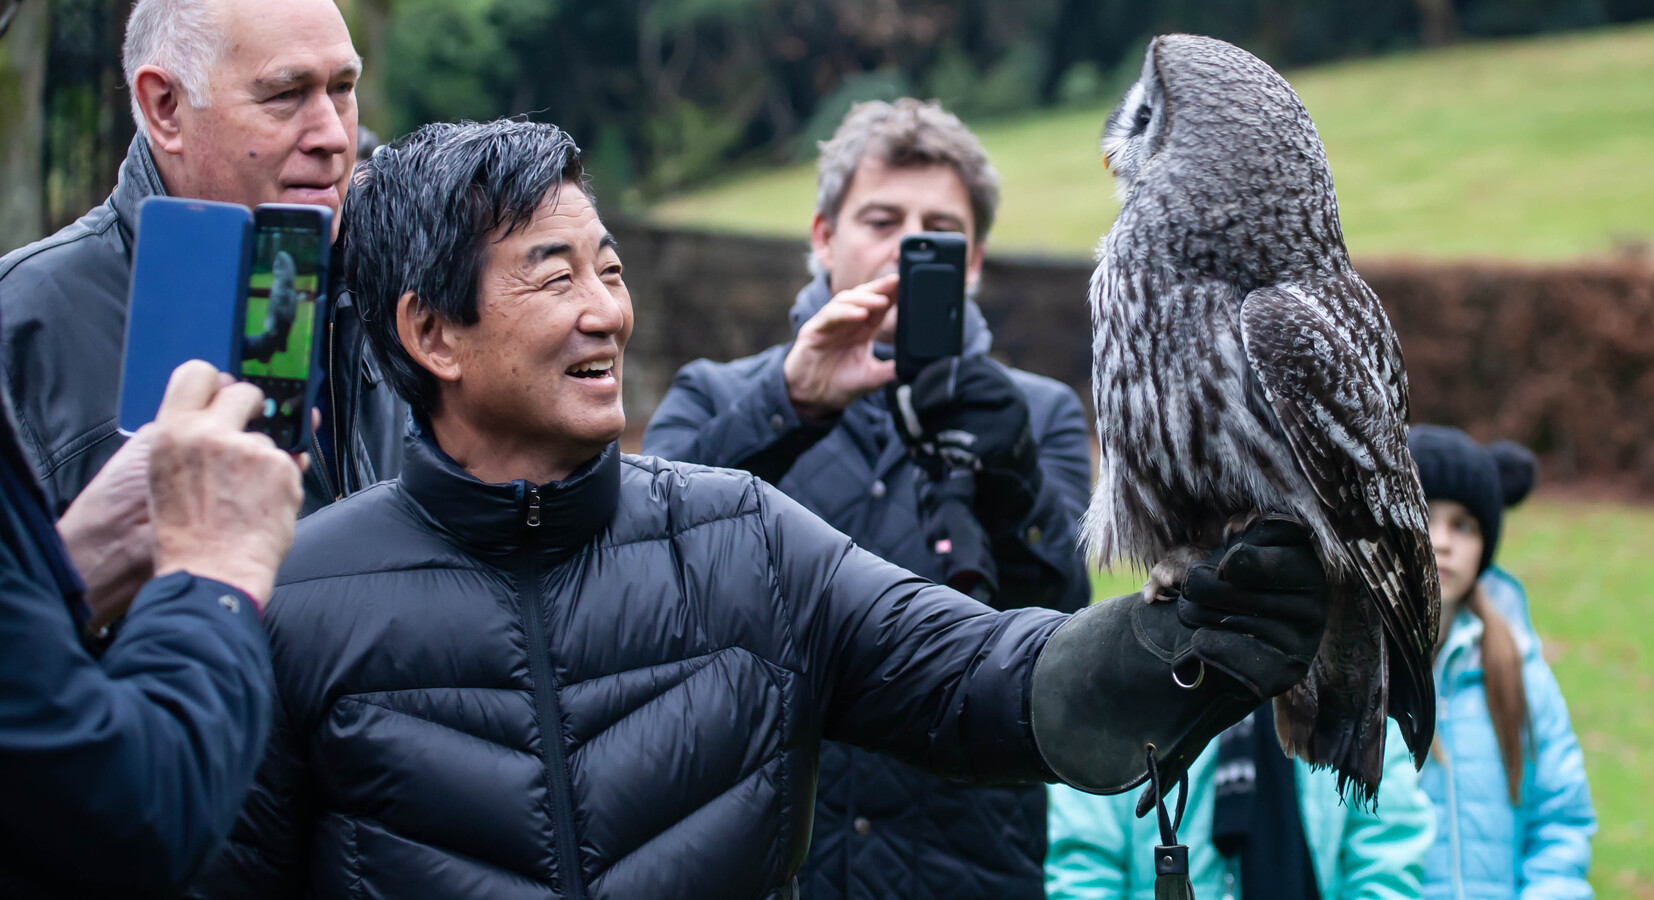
[(293, 362), (1591, 592), (1528, 149)]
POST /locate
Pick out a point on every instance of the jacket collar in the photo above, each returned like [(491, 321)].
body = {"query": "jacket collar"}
[(492, 520), (978, 338), (139, 180), (1461, 653)]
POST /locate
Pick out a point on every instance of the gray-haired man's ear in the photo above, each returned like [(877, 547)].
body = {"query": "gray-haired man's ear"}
[(159, 96)]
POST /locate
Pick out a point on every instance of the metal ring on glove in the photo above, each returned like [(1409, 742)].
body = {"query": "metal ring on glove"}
[(1200, 676)]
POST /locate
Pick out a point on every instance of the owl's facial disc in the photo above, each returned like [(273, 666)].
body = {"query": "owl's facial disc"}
[(1125, 136)]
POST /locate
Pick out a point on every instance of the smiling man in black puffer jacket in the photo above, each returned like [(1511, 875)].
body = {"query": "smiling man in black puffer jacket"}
[(534, 667)]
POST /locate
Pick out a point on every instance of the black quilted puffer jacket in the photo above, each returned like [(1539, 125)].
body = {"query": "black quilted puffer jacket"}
[(615, 686)]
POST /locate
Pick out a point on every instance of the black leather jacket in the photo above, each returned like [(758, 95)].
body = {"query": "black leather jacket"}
[(63, 306)]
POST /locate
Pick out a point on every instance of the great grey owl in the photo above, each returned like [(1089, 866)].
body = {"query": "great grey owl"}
[(1242, 366)]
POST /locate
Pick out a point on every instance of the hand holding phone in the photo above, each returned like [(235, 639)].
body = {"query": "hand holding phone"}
[(832, 362), (224, 502)]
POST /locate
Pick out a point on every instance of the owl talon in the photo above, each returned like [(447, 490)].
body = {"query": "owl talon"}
[(1238, 524), (1165, 582)]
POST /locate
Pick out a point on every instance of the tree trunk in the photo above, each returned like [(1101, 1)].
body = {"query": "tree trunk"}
[(22, 123), (1438, 24), (369, 23), (87, 117)]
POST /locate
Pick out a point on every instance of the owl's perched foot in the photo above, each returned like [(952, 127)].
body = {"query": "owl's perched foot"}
[(1238, 523), (1166, 578)]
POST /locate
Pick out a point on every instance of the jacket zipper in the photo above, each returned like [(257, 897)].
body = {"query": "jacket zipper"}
[(321, 465), (332, 411), (559, 788), (1443, 736), (333, 402)]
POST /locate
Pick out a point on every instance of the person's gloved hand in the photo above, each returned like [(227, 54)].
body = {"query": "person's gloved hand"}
[(965, 412), (1258, 607), (1123, 674)]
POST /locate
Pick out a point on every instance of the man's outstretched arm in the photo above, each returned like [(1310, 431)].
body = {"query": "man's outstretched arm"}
[(929, 676)]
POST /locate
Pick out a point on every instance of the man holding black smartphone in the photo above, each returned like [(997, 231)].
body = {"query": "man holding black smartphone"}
[(972, 474)]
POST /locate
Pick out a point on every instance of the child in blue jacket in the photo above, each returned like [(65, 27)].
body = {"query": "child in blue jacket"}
[(1514, 815), (1259, 826)]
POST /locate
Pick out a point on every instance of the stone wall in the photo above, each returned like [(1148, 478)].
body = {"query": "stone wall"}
[(1560, 358)]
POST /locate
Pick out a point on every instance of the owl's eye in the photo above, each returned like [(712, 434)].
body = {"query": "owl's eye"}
[(1144, 114)]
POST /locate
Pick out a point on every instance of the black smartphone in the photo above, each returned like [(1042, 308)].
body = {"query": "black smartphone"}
[(280, 335), (930, 301)]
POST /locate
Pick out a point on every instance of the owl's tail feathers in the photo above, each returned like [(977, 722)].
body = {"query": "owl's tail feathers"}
[(1412, 701), (1401, 574), (1335, 716)]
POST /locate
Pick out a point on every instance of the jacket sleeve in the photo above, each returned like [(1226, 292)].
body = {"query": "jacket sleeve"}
[(265, 856), (1556, 800), (1086, 857), (902, 666), (62, 330), (138, 760), (1383, 850), (1041, 564), (749, 424)]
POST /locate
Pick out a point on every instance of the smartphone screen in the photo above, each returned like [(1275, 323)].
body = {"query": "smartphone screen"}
[(285, 288)]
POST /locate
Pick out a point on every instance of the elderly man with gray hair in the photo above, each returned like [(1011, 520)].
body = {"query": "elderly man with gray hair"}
[(810, 417), (239, 101)]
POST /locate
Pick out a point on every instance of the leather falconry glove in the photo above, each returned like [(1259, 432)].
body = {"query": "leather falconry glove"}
[(1124, 674)]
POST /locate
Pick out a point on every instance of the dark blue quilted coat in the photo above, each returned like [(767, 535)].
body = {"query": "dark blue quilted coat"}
[(615, 686), (885, 829)]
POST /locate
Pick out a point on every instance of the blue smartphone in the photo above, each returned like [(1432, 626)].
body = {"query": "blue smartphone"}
[(189, 273), (283, 316)]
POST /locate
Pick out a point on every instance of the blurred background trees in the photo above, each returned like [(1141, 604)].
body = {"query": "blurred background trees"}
[(662, 93), (666, 93), (1529, 157)]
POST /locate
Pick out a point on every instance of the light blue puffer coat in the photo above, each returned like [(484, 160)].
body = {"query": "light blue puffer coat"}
[(1485, 848), (1100, 850)]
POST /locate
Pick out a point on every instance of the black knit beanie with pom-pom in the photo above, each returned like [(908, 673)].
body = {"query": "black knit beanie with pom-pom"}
[(1452, 466)]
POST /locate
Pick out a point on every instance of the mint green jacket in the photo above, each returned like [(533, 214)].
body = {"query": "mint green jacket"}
[(1100, 851)]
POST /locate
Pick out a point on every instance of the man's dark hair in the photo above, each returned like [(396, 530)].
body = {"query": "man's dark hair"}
[(419, 216)]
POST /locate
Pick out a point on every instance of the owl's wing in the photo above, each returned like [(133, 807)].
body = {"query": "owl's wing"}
[(1344, 417)]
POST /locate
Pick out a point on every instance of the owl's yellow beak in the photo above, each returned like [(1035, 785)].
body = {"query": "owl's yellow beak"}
[(1105, 163)]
